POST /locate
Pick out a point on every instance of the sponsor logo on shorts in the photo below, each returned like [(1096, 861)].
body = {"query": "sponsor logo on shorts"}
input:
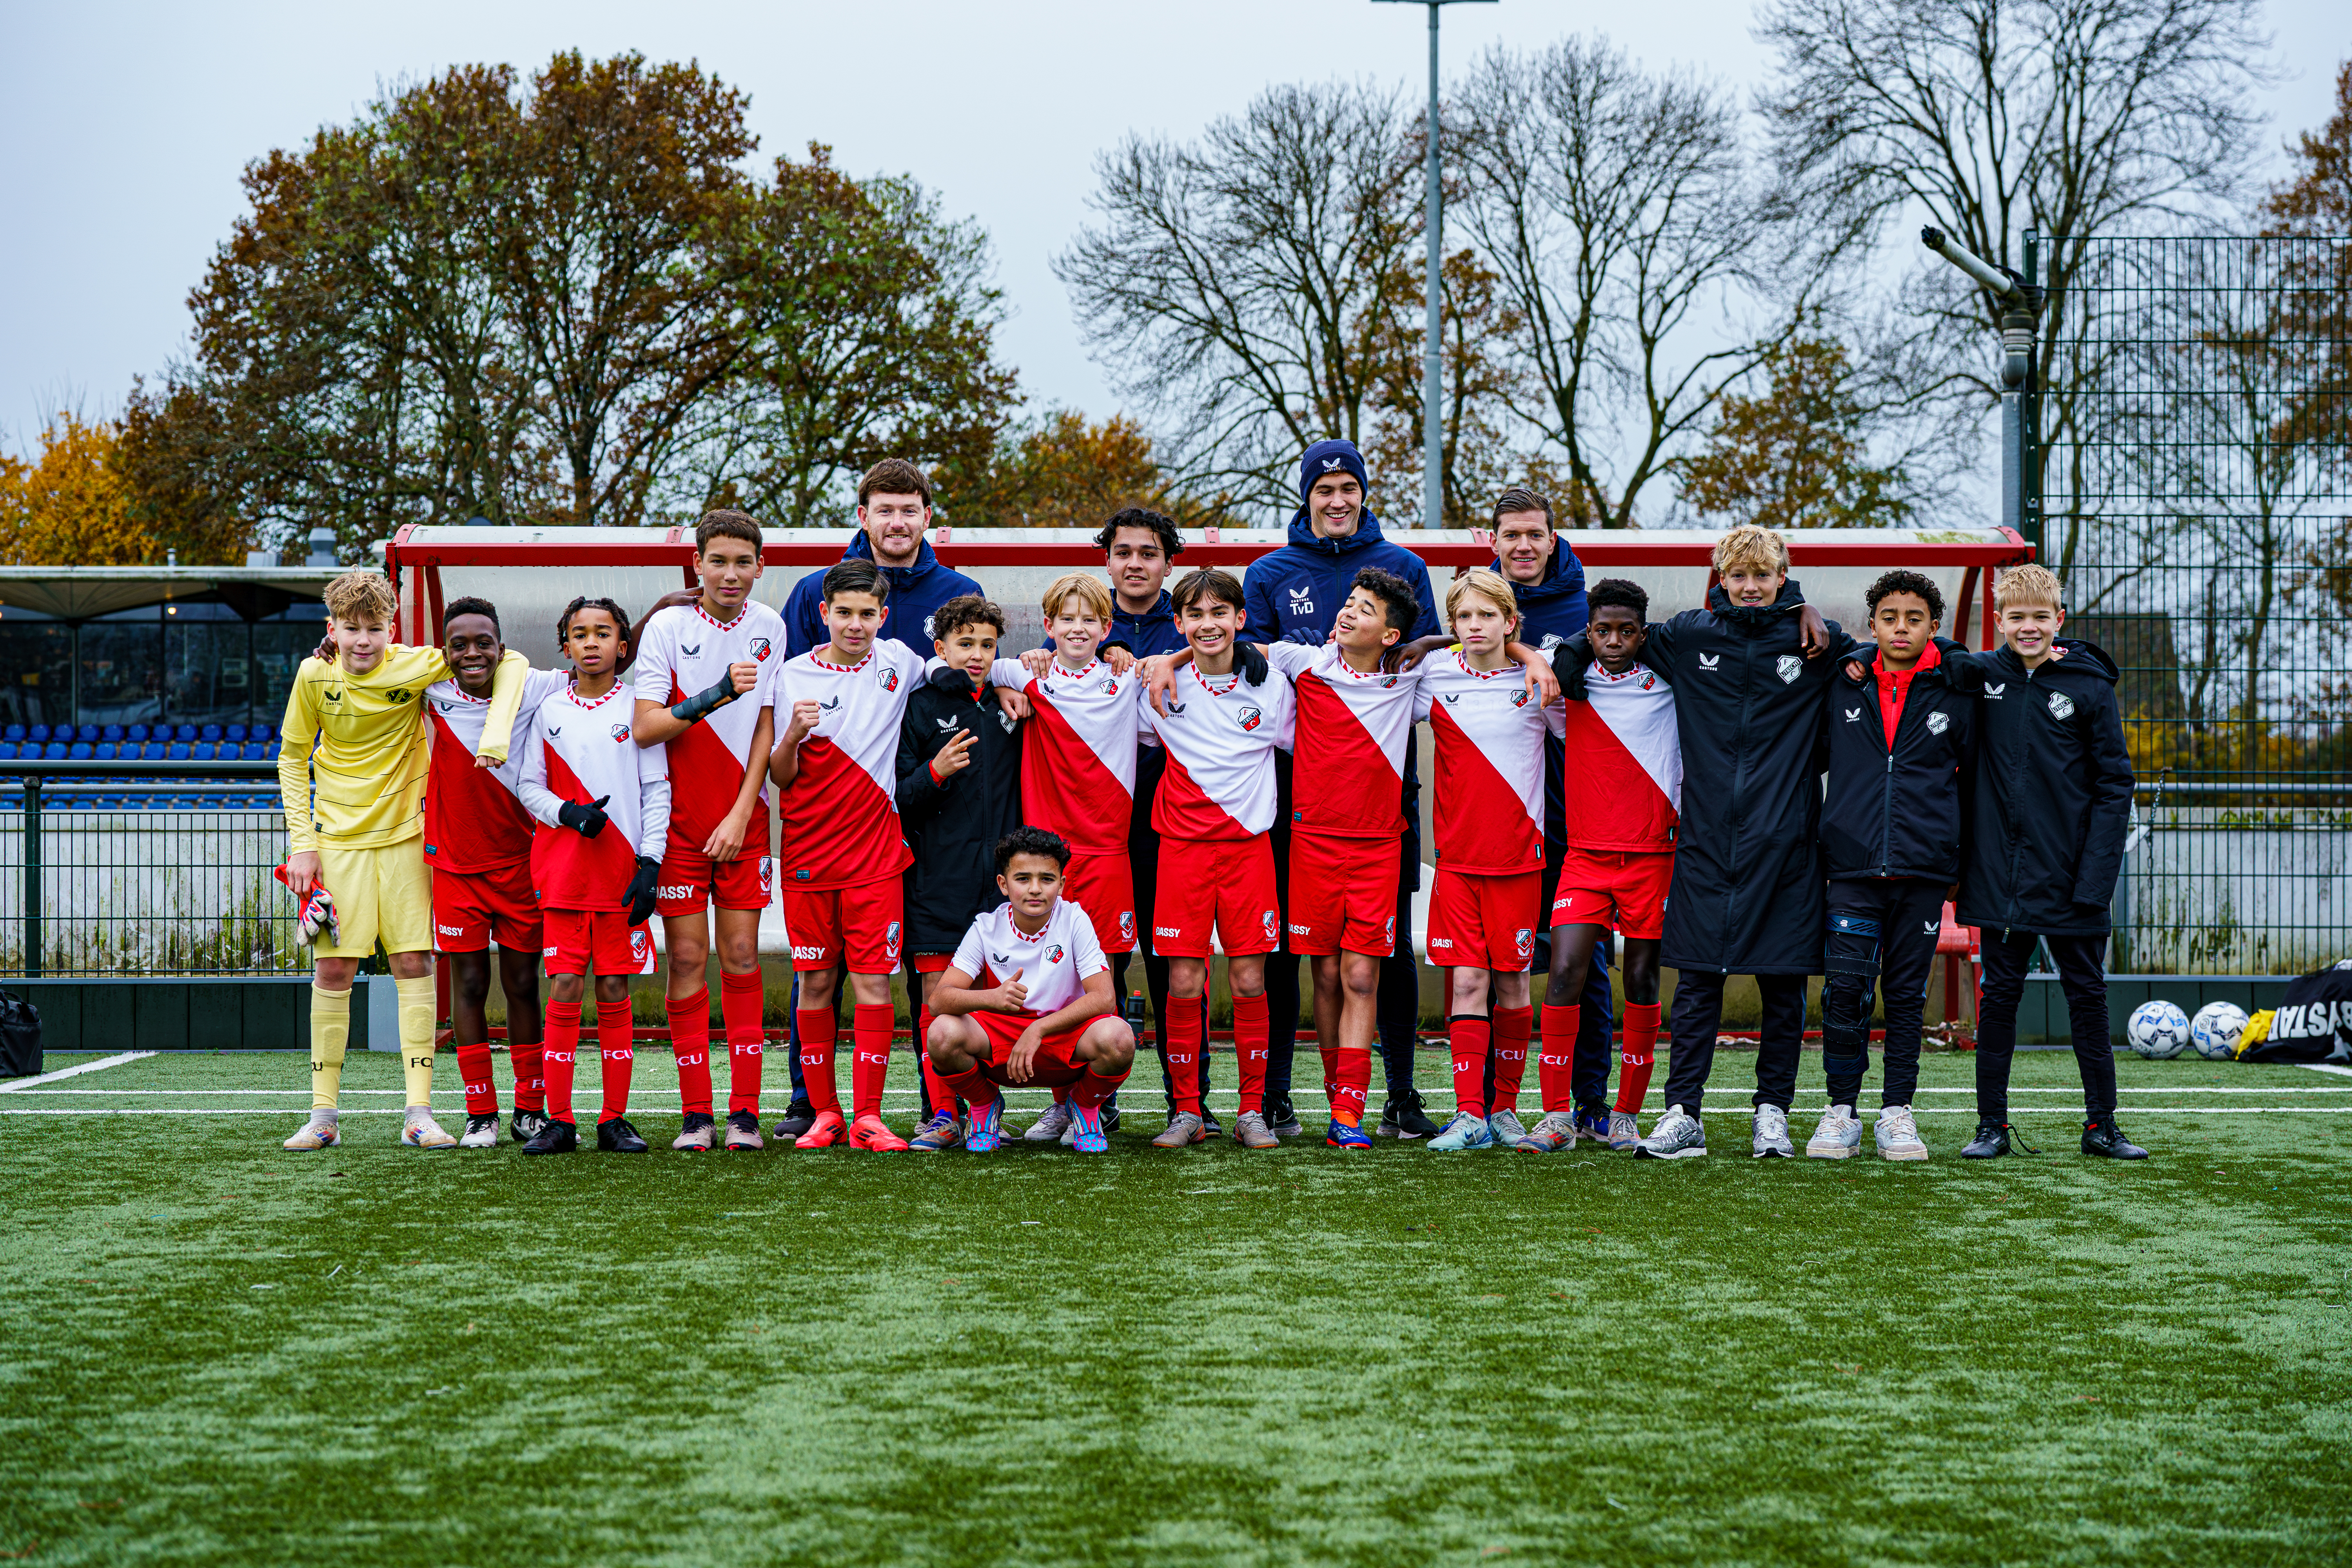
[(449, 930), (767, 875), (1297, 929), (1441, 942), (890, 936), (809, 954), (1270, 923), (1391, 930), (2061, 707), (1126, 925), (1250, 718), (1168, 931), (1523, 942), (549, 952), (641, 945), (1939, 722), (675, 891), (760, 649)]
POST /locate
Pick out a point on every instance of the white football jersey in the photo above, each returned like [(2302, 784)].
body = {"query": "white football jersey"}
[(1077, 756), (473, 818), (1352, 732), (1054, 964), (685, 651), (841, 811), (1489, 774), (581, 751), (1221, 735)]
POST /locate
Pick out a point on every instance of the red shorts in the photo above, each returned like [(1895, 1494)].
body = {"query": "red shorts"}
[(469, 906), (1226, 884), (1484, 922), (689, 879), (933, 963), (1343, 894), (1624, 891), (596, 941), (1056, 1064), (862, 926), (1104, 885)]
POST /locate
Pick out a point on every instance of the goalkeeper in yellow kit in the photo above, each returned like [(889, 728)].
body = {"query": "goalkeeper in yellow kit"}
[(352, 767)]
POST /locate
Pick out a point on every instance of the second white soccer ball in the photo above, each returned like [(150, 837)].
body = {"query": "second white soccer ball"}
[(2157, 1030), (2217, 1029)]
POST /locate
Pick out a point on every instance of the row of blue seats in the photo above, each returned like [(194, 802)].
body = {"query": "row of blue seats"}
[(153, 752), (115, 734)]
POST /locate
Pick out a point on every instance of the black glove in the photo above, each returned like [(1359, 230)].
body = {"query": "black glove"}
[(1568, 663), (947, 678), (711, 698), (1254, 665), (585, 820), (640, 892)]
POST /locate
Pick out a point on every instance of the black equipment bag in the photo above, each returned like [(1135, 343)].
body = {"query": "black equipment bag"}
[(20, 1036), (2313, 1024)]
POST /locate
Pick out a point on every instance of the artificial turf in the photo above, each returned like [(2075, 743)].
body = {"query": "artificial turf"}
[(212, 1350)]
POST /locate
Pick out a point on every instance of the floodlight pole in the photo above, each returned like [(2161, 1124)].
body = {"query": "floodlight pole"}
[(2021, 299), (1432, 379)]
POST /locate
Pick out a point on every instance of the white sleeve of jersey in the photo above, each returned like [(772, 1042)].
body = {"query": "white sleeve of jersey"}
[(1555, 718), (650, 675), (909, 664), (1423, 701), (531, 780), (1086, 948), (1292, 659), (1009, 672), (1286, 731), (653, 800), (970, 953)]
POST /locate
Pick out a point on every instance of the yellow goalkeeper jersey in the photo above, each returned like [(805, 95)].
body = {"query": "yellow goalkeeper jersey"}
[(361, 740)]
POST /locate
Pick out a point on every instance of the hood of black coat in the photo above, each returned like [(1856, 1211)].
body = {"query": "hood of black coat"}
[(1757, 619), (2085, 661)]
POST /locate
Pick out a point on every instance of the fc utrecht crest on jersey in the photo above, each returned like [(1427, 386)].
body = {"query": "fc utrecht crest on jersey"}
[(1251, 718), (889, 677), (1053, 953), (1790, 667), (620, 732), (760, 649)]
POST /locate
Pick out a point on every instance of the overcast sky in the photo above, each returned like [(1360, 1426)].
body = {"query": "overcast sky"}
[(125, 127)]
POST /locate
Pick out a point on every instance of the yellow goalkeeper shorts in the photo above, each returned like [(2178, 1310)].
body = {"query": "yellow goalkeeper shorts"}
[(381, 894)]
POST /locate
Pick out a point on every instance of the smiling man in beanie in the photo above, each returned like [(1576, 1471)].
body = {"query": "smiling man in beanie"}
[(1292, 595)]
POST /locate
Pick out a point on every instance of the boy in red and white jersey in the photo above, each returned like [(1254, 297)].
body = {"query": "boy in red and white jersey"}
[(1489, 721), (835, 767), (477, 841), (700, 678), (602, 806), (1028, 999), (1216, 801), (1623, 785)]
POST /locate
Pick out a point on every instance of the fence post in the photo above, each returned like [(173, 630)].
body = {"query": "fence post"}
[(32, 878)]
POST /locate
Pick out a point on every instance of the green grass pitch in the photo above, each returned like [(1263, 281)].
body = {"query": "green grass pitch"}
[(214, 1351)]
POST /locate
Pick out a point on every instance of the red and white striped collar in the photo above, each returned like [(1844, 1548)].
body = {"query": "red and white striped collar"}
[(840, 669), (1633, 670), (1508, 668), (1340, 663), (1055, 668), (1231, 682), (571, 694), (464, 696), (713, 620)]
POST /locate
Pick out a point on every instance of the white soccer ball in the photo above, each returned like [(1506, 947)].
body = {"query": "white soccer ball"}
[(2158, 1030), (2217, 1029)]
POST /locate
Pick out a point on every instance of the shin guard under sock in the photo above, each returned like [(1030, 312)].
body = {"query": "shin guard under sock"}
[(817, 1024), (473, 1073), (415, 1036), (615, 1040), (1639, 1054), (1556, 1064), (870, 1032), (529, 1071), (331, 1032), (741, 998), (689, 1038), (1352, 1078), (1252, 1030), (971, 1085), (1469, 1035), (1331, 1071), (1186, 1025), (1512, 1026), (558, 1055), (1093, 1087)]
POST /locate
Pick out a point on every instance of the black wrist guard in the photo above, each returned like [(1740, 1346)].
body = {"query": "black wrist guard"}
[(704, 702)]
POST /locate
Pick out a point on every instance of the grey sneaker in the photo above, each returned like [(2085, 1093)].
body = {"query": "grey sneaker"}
[(1772, 1134), (1625, 1131), (743, 1131), (1838, 1135), (1185, 1130), (1049, 1128), (318, 1132), (1509, 1130), (1556, 1131), (421, 1132), (1251, 1132), (699, 1135), (1678, 1135), (1898, 1134), (481, 1133)]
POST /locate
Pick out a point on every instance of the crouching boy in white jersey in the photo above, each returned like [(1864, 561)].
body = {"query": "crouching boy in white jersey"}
[(1027, 1000)]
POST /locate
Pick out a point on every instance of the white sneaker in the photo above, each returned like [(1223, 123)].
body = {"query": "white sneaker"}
[(1625, 1131), (316, 1135), (481, 1133), (1838, 1135), (426, 1133), (1897, 1135), (1509, 1130), (1772, 1134), (1676, 1135), (1049, 1128)]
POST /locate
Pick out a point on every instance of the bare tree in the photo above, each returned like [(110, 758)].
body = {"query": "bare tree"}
[(1239, 287)]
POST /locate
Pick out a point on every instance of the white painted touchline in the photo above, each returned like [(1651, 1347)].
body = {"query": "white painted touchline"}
[(2325, 1067), (98, 1066)]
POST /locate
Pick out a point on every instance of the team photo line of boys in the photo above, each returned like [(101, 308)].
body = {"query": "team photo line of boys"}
[(1220, 765)]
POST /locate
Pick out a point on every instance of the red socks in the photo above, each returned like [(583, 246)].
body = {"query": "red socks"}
[(529, 1072), (481, 1089), (971, 1085), (689, 1038), (1469, 1036), (615, 1031), (557, 1056), (741, 998), (1512, 1026), (870, 1032), (1092, 1089), (1252, 1030), (1557, 1060), (1330, 1072), (1186, 1031), (1352, 1081), (816, 1026), (1640, 1054)]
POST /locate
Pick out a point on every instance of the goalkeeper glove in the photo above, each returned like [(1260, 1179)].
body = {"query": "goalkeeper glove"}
[(706, 701), (317, 914), (1254, 666), (640, 892), (585, 820)]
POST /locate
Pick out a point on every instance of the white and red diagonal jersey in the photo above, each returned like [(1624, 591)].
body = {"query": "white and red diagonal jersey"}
[(474, 821), (1077, 756), (685, 651), (1348, 779), (582, 750), (1221, 735), (1623, 779), (841, 811), (1489, 770), (1054, 964)]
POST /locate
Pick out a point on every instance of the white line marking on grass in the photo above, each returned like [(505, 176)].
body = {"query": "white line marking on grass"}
[(2325, 1067), (98, 1066)]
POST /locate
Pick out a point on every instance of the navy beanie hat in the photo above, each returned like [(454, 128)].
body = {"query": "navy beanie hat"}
[(1330, 458)]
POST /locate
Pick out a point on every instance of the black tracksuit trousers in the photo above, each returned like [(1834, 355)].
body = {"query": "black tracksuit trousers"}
[(1699, 1017), (2083, 975), (1882, 939)]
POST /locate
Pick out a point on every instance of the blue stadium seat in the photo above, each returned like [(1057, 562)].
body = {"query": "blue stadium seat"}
[(210, 732), (80, 752), (136, 732), (8, 749), (153, 752), (91, 734), (55, 751), (203, 752), (104, 751), (13, 732), (41, 734), (178, 752), (256, 751), (188, 733), (111, 733), (237, 733)]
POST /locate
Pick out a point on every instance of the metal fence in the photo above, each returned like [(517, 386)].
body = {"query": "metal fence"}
[(2197, 492)]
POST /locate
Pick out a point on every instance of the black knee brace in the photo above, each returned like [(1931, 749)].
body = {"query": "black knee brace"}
[(1852, 976)]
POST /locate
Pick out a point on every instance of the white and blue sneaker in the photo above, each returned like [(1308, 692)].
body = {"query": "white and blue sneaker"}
[(1897, 1135), (1464, 1132), (1509, 1130), (1772, 1133), (1624, 1132), (1676, 1135), (942, 1132), (1086, 1134), (1054, 1127), (1835, 1137), (986, 1133)]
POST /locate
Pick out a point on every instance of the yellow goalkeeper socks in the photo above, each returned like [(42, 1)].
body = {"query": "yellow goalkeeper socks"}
[(330, 1029), (417, 1038)]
